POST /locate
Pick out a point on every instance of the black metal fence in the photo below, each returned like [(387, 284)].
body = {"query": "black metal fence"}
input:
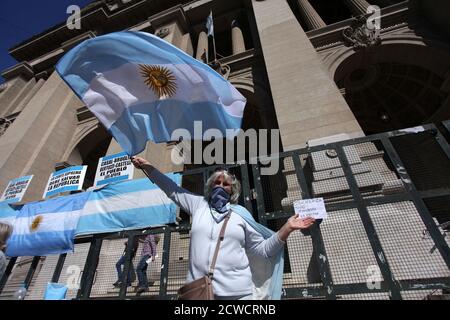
[(388, 202)]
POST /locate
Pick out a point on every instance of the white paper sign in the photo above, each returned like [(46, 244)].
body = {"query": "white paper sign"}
[(314, 208), (65, 180), (16, 189), (113, 168)]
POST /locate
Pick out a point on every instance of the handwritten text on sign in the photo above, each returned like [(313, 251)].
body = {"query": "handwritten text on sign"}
[(16, 189), (314, 208), (114, 168), (65, 180)]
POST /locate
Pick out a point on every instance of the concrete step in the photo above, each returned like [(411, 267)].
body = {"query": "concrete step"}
[(153, 289), (438, 297)]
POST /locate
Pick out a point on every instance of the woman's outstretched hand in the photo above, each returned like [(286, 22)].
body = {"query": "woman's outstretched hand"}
[(294, 223), (139, 162)]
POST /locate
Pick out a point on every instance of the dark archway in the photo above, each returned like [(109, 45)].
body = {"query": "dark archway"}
[(394, 86), (390, 96), (89, 150)]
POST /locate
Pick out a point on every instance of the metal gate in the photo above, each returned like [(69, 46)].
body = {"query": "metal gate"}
[(388, 203)]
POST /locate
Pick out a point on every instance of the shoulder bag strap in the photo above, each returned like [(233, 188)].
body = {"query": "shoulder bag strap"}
[(219, 240)]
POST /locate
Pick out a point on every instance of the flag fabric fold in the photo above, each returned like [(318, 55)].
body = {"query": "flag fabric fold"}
[(49, 227), (142, 88), (46, 227), (8, 212), (267, 273), (127, 205)]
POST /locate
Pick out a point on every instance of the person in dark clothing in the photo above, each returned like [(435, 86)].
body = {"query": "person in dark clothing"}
[(121, 262), (148, 254)]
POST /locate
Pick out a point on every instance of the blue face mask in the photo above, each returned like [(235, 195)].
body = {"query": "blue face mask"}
[(219, 199)]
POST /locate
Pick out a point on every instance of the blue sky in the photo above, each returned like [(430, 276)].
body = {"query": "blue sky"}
[(21, 19)]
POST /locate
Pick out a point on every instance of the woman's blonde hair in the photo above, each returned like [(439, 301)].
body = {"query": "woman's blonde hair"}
[(5, 233), (235, 185)]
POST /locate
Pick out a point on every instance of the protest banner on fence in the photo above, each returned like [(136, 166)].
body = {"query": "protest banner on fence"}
[(16, 189), (65, 180), (113, 168)]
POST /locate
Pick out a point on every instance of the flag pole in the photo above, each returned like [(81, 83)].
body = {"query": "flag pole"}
[(214, 46)]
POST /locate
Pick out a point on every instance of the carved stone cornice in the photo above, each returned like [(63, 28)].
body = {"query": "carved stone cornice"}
[(96, 15), (163, 32), (166, 17), (359, 36), (42, 75), (3, 87), (22, 69), (67, 45), (392, 17), (222, 69), (4, 124)]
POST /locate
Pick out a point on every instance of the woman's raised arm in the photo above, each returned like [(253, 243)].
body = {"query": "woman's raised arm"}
[(188, 201)]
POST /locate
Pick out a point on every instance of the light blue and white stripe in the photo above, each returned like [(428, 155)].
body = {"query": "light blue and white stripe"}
[(127, 205), (55, 231), (7, 213)]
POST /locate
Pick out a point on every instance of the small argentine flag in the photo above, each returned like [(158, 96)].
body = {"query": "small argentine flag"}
[(47, 227), (142, 88), (210, 24)]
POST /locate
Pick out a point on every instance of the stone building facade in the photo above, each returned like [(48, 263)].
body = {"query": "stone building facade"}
[(291, 59)]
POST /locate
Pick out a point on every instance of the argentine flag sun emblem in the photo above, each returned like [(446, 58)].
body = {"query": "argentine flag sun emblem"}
[(159, 79), (36, 222)]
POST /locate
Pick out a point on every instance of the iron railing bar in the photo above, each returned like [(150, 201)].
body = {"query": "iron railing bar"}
[(164, 277), (375, 243), (422, 209), (245, 180), (319, 251), (7, 273), (259, 195), (89, 268), (59, 267), (31, 271)]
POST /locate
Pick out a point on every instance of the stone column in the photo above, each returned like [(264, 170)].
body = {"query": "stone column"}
[(172, 26), (202, 46), (186, 44), (237, 38), (307, 102), (29, 95), (357, 7), (310, 16), (39, 136)]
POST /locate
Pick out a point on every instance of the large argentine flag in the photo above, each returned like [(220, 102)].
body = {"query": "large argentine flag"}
[(142, 88), (127, 205), (47, 227)]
